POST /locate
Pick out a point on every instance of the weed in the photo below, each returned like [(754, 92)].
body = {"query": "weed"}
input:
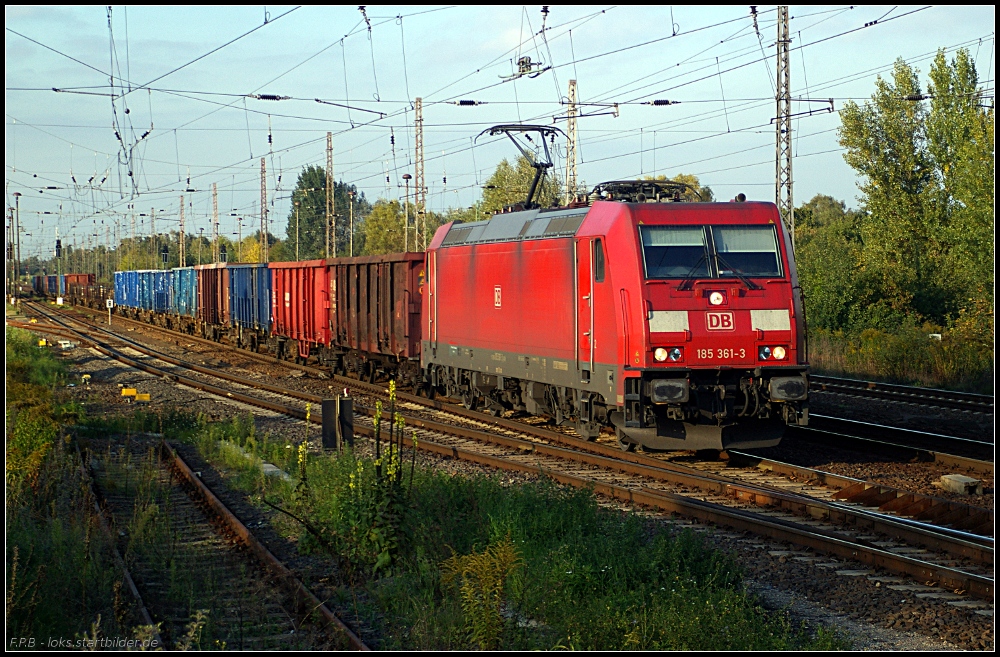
[(483, 577), (145, 634), (572, 574), (192, 635), (61, 573)]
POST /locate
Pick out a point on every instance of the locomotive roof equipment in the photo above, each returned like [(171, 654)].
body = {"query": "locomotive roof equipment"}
[(543, 131)]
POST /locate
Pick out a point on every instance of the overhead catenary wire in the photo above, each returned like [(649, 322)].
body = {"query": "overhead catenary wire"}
[(292, 117)]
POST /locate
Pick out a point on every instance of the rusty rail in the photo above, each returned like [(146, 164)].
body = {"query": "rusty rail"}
[(305, 600)]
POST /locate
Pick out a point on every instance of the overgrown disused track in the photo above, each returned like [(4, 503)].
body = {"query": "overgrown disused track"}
[(201, 581)]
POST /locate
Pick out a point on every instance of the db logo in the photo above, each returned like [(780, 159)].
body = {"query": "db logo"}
[(720, 322)]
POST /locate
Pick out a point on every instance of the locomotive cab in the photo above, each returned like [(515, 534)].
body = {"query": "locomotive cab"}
[(714, 335)]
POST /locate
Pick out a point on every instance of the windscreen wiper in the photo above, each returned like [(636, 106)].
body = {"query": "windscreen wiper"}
[(738, 274), (692, 274)]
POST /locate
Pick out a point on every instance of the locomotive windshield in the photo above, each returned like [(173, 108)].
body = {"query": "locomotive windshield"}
[(710, 252), (747, 250), (675, 251)]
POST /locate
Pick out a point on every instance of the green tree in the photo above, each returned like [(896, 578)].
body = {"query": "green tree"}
[(509, 185), (926, 189), (383, 228), (828, 254), (694, 193), (467, 215), (960, 140), (309, 200)]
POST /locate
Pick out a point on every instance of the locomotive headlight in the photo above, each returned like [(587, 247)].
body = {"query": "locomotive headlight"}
[(660, 354), (716, 298), (764, 353), (676, 354), (779, 353)]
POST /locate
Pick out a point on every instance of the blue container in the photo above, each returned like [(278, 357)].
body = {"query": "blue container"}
[(62, 285), (145, 289), (132, 289), (147, 279), (120, 288), (250, 296), (127, 289), (51, 283), (161, 290), (184, 297)]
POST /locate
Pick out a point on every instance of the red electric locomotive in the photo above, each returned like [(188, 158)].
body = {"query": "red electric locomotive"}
[(678, 324)]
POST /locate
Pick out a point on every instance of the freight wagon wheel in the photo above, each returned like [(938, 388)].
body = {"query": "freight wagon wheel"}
[(623, 444), (589, 431)]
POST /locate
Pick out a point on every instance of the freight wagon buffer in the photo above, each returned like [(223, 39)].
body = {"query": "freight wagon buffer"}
[(678, 324)]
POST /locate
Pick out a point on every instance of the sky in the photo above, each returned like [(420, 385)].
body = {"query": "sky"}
[(158, 102)]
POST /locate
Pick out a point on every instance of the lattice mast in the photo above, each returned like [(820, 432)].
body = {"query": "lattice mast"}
[(215, 223), (783, 127), (152, 238), (263, 210), (183, 261), (571, 143), (420, 191), (331, 222)]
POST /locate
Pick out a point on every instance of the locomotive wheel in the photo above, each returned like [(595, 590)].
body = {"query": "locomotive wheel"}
[(623, 444), (469, 400)]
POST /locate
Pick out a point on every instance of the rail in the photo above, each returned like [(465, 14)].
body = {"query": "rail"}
[(963, 401)]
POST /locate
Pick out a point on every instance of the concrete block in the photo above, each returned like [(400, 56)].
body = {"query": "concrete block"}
[(961, 484), (274, 471)]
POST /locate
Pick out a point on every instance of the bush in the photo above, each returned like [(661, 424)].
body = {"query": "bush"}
[(908, 355)]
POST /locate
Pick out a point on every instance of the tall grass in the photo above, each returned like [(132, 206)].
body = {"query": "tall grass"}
[(61, 578), (909, 355), (572, 575)]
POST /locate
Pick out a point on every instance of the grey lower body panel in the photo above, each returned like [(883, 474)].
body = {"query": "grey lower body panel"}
[(599, 378)]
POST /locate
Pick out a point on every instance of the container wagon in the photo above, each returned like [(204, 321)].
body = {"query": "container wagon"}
[(249, 304), (300, 309), (183, 299)]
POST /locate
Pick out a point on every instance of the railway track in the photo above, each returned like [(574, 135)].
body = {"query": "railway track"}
[(964, 453), (200, 587), (206, 581), (200, 574), (958, 562), (967, 454), (962, 401)]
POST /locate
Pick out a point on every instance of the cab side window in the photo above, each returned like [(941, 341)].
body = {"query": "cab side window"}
[(598, 261)]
